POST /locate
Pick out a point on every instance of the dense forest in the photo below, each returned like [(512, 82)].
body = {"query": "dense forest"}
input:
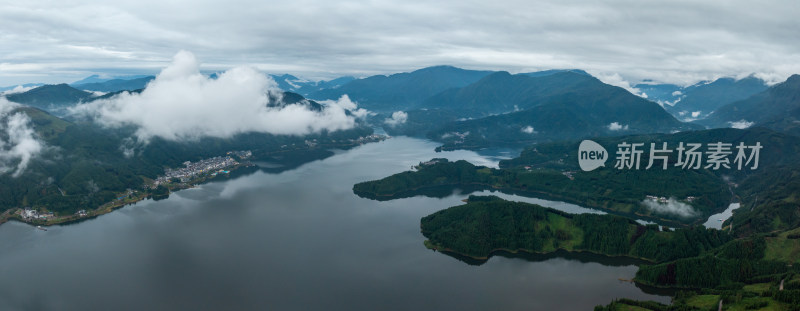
[(488, 224), (619, 191), (708, 264)]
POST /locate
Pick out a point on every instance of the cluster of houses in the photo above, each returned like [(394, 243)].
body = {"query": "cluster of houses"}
[(311, 143), (31, 214), (367, 139), (193, 169)]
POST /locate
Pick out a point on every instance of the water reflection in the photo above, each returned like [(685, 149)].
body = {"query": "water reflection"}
[(296, 239)]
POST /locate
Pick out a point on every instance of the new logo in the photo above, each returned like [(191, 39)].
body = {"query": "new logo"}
[(591, 155)]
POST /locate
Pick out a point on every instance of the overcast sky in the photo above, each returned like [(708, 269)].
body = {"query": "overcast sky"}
[(676, 41)]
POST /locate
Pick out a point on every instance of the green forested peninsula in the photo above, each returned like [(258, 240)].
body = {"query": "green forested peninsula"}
[(488, 224), (618, 191)]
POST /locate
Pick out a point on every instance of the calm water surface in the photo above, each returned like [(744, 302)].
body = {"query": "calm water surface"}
[(715, 221), (298, 240)]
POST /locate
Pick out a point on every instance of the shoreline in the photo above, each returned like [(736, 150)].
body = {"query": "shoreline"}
[(140, 195), (430, 245)]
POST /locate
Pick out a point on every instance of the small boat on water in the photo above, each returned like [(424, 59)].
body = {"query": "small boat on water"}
[(41, 228)]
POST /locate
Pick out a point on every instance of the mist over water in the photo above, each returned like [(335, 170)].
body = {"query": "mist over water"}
[(298, 240)]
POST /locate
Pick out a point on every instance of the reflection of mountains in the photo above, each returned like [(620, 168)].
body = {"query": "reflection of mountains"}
[(583, 257)]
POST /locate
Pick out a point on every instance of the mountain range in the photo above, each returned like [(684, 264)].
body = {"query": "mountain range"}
[(777, 107), (401, 91), (113, 85), (565, 105), (699, 100)]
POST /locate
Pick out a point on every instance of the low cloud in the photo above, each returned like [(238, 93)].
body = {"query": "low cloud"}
[(96, 93), (615, 126), (18, 89), (349, 105), (398, 117), (18, 141), (617, 80), (671, 206), (741, 124), (528, 130), (694, 115), (183, 104)]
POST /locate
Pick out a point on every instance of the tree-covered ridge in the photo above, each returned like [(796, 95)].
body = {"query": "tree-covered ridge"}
[(770, 201), (619, 191), (754, 259), (488, 224)]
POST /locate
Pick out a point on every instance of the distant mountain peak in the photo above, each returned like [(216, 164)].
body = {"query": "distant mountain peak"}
[(51, 97), (438, 67)]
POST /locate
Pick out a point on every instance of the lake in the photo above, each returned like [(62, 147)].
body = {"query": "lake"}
[(297, 240)]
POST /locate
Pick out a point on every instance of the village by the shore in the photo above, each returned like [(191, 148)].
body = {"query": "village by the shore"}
[(173, 179)]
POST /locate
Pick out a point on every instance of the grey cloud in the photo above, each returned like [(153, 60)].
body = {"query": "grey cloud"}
[(398, 117), (670, 41), (671, 206), (183, 104), (18, 141)]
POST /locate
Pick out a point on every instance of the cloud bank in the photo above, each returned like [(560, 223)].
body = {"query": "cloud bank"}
[(672, 206), (615, 126), (741, 124), (183, 104), (18, 89), (18, 141), (398, 117), (528, 130), (671, 41)]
